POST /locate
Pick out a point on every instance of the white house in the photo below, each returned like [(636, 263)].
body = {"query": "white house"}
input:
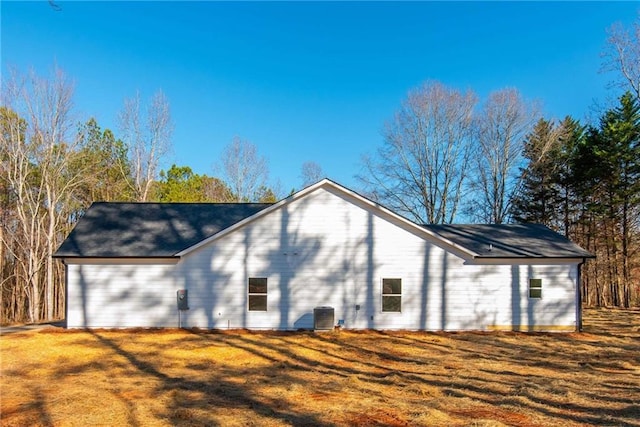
[(268, 266)]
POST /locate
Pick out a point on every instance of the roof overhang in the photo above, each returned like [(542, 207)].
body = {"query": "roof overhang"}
[(524, 261), (119, 260)]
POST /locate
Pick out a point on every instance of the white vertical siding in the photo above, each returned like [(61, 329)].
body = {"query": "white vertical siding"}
[(322, 250), (121, 295)]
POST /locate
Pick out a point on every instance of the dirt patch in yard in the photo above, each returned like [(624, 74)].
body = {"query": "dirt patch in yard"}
[(196, 377)]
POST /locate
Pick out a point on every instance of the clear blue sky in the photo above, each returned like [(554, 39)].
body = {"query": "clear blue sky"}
[(308, 81)]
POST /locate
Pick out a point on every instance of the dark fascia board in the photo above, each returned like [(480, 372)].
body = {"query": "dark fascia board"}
[(121, 259), (527, 261), (589, 256), (113, 257)]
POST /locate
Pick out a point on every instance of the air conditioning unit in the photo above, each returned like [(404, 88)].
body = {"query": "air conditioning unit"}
[(323, 318)]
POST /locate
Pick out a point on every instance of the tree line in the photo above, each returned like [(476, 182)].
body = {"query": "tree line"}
[(444, 159), (584, 181), (445, 156), (52, 169)]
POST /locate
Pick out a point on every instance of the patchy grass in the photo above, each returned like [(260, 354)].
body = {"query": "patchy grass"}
[(183, 377)]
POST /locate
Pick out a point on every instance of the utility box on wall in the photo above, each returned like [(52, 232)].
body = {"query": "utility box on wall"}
[(183, 301)]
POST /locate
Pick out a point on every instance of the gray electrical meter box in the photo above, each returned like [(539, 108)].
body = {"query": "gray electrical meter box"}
[(183, 301)]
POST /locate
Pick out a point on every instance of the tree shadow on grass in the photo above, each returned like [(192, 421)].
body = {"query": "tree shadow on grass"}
[(213, 390), (481, 388), (560, 378), (371, 367)]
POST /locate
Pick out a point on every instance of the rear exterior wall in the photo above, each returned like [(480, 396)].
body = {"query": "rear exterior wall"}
[(324, 249)]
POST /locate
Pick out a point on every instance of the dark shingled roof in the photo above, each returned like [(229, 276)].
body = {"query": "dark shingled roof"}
[(157, 230), (150, 229), (510, 241)]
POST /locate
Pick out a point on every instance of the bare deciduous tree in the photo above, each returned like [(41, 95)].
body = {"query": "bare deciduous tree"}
[(148, 139), (421, 169), (622, 55), (311, 173), (505, 120), (215, 190), (36, 151), (244, 170)]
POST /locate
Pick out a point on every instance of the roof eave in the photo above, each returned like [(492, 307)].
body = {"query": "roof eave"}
[(82, 259), (496, 260)]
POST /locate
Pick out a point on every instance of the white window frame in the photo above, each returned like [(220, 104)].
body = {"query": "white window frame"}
[(384, 295), (535, 284), (265, 294)]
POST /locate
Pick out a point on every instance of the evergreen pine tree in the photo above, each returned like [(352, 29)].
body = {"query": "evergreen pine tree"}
[(538, 195)]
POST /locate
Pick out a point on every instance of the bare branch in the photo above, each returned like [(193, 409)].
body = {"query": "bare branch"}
[(502, 126), (622, 55), (56, 7), (421, 169), (311, 173), (36, 151), (148, 143), (245, 171)]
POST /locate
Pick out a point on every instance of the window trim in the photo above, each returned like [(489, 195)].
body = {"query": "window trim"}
[(264, 294), (535, 285), (384, 295)]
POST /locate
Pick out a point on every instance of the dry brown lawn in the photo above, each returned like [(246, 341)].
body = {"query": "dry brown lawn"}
[(186, 377)]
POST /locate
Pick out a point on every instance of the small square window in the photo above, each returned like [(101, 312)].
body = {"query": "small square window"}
[(257, 294), (392, 295), (535, 288), (257, 303)]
